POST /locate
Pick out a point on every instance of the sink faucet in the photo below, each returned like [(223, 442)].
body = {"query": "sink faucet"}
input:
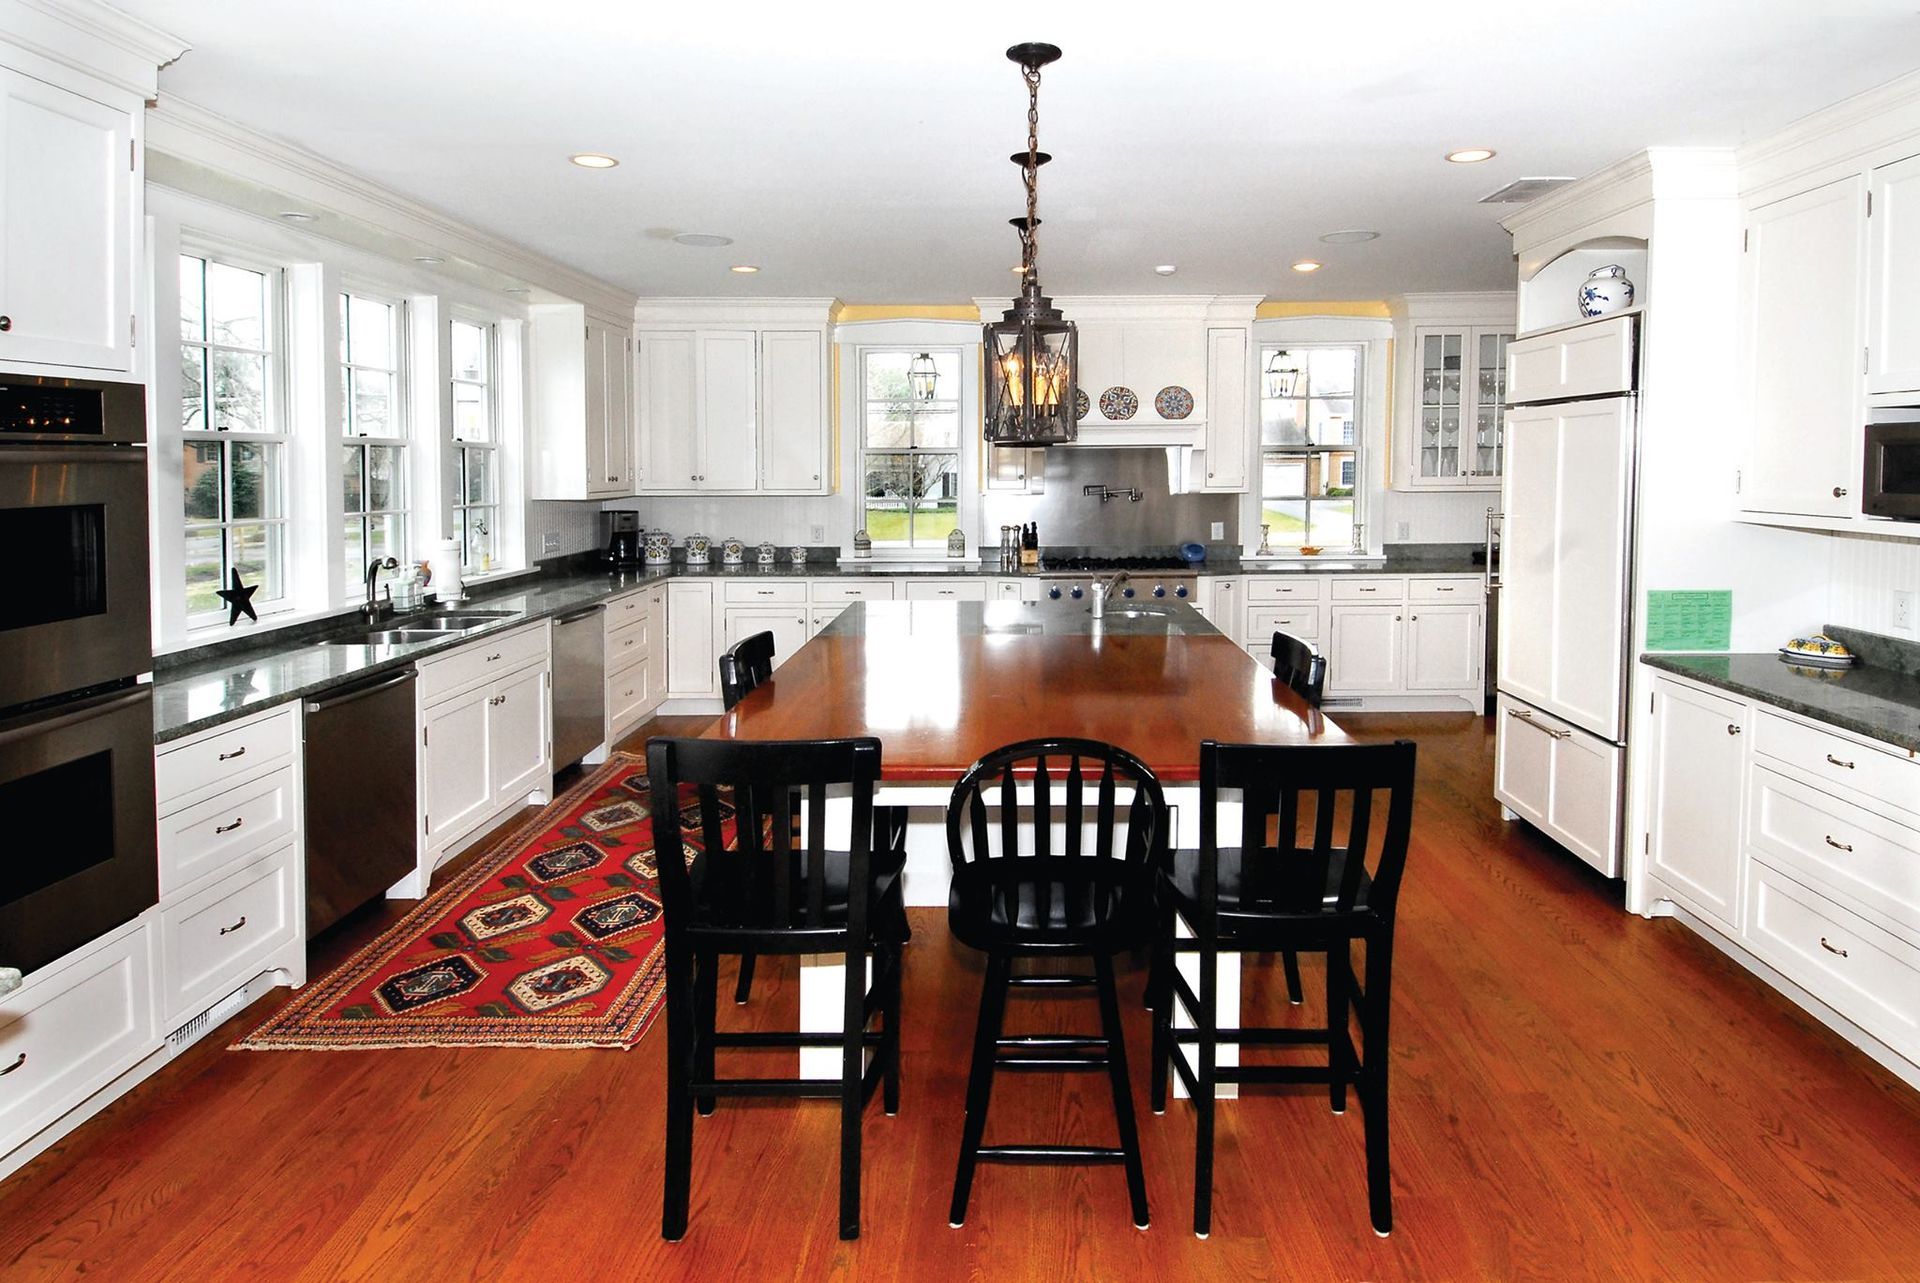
[(1104, 588), (373, 609)]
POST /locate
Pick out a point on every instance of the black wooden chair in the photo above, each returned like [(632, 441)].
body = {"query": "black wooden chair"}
[(1330, 876), (743, 666), (1014, 895), (750, 886), (1300, 666)]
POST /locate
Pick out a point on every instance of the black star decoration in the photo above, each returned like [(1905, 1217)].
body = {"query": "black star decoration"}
[(239, 599)]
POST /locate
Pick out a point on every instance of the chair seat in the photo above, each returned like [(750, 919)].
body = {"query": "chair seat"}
[(1270, 900), (888, 905), (1053, 904)]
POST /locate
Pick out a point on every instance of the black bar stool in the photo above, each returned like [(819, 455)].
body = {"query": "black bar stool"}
[(743, 666), (1018, 897)]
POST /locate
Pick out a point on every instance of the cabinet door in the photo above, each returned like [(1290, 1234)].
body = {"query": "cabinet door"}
[(1440, 398), (603, 476), (1484, 425), (66, 227), (609, 415), (728, 402), (788, 624), (1806, 257), (1893, 279), (1099, 364), (669, 425), (1016, 470), (456, 782), (692, 657), (1158, 355), (1443, 647), (517, 735), (1694, 810), (1364, 647), (657, 653), (793, 411), (1228, 394)]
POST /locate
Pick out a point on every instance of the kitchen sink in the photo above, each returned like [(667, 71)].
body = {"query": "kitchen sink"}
[(1132, 612), (388, 637), (455, 622), (415, 630)]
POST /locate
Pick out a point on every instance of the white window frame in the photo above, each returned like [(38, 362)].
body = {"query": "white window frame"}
[(275, 411), (492, 446), (400, 418)]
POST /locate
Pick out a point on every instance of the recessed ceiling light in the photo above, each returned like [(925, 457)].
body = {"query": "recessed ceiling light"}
[(745, 269), (1350, 236), (702, 240), (592, 160), (428, 259), (1306, 265), (1166, 269), (296, 216), (1470, 155)]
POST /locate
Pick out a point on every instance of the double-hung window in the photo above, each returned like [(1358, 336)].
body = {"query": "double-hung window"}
[(476, 445), (233, 434), (910, 428), (373, 426), (1310, 444)]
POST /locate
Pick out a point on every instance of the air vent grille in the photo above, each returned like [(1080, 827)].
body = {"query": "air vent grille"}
[(1522, 190)]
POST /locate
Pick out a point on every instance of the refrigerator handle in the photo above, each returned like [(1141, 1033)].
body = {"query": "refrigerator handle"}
[(1494, 518)]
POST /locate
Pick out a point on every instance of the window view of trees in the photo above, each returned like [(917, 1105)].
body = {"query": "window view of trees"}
[(910, 448), (1309, 445), (374, 460)]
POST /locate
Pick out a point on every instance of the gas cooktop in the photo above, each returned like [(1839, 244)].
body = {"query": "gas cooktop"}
[(1161, 565)]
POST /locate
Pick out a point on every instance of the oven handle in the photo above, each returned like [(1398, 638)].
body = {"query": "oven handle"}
[(34, 727), (136, 454)]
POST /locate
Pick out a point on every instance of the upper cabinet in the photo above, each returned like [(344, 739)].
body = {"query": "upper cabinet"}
[(733, 398), (582, 404), (1893, 281), (1450, 389)]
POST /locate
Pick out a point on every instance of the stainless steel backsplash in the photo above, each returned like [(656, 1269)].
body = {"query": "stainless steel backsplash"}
[(1067, 516)]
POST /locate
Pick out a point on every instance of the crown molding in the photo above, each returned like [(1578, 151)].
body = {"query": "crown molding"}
[(1492, 306), (203, 139), (736, 311), (93, 38), (1870, 128), (1219, 308)]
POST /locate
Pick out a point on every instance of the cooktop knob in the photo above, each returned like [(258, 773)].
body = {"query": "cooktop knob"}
[(1159, 590), (1078, 592), (1126, 592), (1054, 593), (1181, 591)]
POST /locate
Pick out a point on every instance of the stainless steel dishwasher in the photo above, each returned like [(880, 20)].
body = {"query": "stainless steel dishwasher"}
[(579, 685), (363, 820)]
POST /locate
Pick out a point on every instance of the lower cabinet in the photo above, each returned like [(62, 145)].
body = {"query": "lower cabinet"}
[(636, 651), (1560, 779), (790, 626), (1365, 650), (692, 651), (221, 936), (1444, 650), (486, 743), (1694, 807)]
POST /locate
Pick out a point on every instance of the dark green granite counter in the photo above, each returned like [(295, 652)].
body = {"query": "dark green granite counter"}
[(1880, 703), (1048, 618)]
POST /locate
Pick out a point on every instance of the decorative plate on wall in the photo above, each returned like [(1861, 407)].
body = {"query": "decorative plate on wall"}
[(1173, 402), (1082, 403), (1119, 403)]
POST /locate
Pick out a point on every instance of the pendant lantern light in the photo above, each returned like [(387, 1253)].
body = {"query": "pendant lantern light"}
[(922, 378), (1032, 353)]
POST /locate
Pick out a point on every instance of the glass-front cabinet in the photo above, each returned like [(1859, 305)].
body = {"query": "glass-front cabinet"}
[(1458, 399)]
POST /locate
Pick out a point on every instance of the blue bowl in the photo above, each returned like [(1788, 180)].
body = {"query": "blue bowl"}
[(1193, 553)]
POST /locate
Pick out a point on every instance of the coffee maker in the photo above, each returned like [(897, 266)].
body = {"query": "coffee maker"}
[(623, 538)]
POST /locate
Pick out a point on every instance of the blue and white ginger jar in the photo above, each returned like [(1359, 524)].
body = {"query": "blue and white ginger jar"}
[(1606, 291)]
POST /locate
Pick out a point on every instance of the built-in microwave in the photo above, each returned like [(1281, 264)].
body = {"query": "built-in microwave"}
[(1890, 486)]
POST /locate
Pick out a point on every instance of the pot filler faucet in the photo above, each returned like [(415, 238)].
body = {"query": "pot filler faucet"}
[(1104, 588), (373, 610), (1104, 493)]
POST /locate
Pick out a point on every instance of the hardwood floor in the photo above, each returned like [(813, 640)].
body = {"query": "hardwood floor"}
[(1577, 1094)]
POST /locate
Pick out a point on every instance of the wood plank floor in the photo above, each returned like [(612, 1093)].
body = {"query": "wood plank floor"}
[(1578, 1094)]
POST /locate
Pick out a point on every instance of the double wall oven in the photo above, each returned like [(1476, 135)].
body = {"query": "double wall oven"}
[(76, 714)]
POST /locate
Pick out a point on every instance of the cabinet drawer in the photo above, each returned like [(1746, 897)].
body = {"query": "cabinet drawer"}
[(1370, 588), (1561, 780), (936, 590), (73, 1028), (1463, 590), (185, 771), (1862, 972), (629, 694), (852, 590), (629, 607), (632, 641), (1836, 845), (792, 590), (1288, 589), (481, 661), (1264, 621), (1894, 779), (214, 940), (210, 835)]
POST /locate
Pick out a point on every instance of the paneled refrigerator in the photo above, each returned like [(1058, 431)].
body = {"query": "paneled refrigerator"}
[(1566, 553)]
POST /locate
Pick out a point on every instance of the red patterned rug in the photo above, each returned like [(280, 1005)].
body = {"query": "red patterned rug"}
[(551, 940)]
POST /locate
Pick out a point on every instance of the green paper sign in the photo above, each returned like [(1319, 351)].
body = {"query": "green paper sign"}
[(1694, 619)]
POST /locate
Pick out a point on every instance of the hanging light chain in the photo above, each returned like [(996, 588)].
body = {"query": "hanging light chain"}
[(1030, 234)]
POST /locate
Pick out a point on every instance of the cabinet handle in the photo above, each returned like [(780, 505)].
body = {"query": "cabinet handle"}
[(816, 476), (20, 1059), (612, 477), (493, 657), (238, 752), (1830, 949), (1526, 717), (1837, 762), (228, 828), (1839, 492), (1443, 590), (6, 323), (1732, 729), (1369, 590), (1838, 846), (227, 931)]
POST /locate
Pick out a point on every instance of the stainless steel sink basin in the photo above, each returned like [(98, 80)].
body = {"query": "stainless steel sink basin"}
[(455, 622), (388, 637), (413, 630), (1131, 612)]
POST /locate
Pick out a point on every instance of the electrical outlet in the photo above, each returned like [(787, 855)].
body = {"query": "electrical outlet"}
[(1903, 609), (816, 534), (1219, 530), (549, 542), (1403, 530)]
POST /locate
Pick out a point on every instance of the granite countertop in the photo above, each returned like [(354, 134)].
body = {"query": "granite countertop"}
[(1049, 618), (1879, 701)]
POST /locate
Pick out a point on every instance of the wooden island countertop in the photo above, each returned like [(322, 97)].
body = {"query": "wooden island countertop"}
[(943, 683)]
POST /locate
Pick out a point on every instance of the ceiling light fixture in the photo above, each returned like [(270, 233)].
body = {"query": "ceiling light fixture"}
[(1282, 374), (1349, 236), (297, 216), (428, 259), (592, 160), (1306, 265), (922, 378), (745, 269), (701, 240), (1033, 365), (1470, 155), (1166, 269)]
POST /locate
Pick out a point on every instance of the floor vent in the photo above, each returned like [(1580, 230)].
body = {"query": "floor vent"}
[(188, 1034), (1522, 190), (1350, 701)]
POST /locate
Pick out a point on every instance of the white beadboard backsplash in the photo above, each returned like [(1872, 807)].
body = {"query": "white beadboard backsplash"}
[(577, 524), (1435, 516), (782, 520), (1866, 571)]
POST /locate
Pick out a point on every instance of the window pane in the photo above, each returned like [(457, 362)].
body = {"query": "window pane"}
[(371, 406), (386, 477), (886, 520), (477, 479), (193, 313), (236, 306), (1334, 475), (239, 384), (259, 554), (1331, 420), (1283, 422), (204, 576), (353, 494), (937, 476), (256, 481), (1330, 371), (477, 537), (193, 390), (1287, 522), (889, 476), (202, 468), (1333, 523), (939, 430), (370, 333), (386, 537), (356, 557), (887, 376), (469, 352), (889, 426), (933, 522), (1283, 474), (470, 413)]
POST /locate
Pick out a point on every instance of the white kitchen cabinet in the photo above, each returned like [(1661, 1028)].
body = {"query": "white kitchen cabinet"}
[(636, 657), (1561, 780), (699, 408), (519, 739), (668, 441), (1444, 648), (1016, 469), (1590, 359), (1893, 278), (485, 737), (1806, 257), (794, 433), (789, 625), (456, 785), (1228, 439), (1365, 649), (1694, 809), (693, 657), (946, 589), (1454, 425), (70, 210), (1221, 604), (582, 439)]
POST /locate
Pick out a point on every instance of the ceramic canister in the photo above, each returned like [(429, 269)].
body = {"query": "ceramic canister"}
[(659, 547), (797, 555), (766, 554), (1605, 291), (698, 548), (732, 552)]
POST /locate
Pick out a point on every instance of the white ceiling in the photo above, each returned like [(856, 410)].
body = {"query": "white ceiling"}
[(858, 150)]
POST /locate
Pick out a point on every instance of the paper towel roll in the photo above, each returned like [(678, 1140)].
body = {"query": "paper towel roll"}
[(444, 561)]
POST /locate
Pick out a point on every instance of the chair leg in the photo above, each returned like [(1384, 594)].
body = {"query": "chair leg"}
[(1339, 1004), (852, 1099), (1373, 1080), (993, 1001), (1291, 962), (890, 1081), (706, 998), (1162, 1045), (743, 987), (1207, 1021), (677, 1176), (1122, 1088)]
